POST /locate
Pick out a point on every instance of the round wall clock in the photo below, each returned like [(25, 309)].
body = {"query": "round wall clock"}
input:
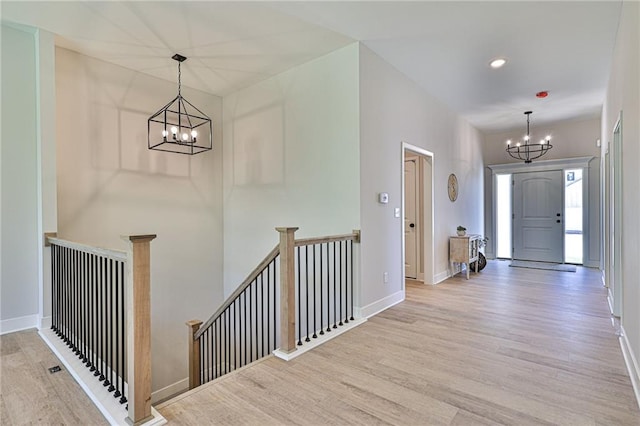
[(452, 187)]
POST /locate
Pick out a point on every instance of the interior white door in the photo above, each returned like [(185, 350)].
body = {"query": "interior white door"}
[(537, 216), (410, 223)]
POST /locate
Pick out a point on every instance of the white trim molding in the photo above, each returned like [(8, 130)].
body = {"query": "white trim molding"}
[(12, 325), (170, 391), (540, 166), (379, 306), (319, 340), (111, 409), (444, 275), (632, 363)]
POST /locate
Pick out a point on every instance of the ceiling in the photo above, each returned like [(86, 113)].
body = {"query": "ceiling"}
[(565, 48)]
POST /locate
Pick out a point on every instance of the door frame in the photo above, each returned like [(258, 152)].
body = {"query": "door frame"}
[(614, 235), (417, 198), (426, 231), (540, 166)]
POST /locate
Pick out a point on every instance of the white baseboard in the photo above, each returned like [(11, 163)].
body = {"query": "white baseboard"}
[(44, 322), (17, 324), (171, 390), (111, 409), (632, 364), (379, 306), (319, 340), (438, 278)]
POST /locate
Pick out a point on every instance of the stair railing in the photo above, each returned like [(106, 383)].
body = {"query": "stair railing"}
[(302, 289), (101, 310)]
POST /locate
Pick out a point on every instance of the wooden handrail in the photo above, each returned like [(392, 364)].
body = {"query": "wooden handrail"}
[(355, 236), (108, 253), (247, 281)]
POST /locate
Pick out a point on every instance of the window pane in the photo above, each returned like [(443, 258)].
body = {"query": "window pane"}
[(503, 216)]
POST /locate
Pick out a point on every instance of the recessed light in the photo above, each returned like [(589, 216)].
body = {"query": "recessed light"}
[(497, 63)]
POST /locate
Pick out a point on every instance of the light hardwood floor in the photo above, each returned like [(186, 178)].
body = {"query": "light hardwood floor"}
[(30, 395), (509, 346)]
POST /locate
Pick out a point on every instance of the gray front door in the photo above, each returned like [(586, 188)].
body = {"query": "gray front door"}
[(538, 228)]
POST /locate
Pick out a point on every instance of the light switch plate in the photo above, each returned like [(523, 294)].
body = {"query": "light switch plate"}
[(396, 212)]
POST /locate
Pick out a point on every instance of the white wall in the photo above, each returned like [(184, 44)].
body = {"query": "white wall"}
[(393, 110), (290, 159), (570, 139), (19, 256), (110, 184), (623, 94)]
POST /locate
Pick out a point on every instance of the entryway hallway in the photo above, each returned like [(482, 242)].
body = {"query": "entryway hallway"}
[(508, 346)]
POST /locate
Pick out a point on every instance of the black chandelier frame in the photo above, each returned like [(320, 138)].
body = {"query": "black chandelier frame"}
[(528, 151), (179, 126)]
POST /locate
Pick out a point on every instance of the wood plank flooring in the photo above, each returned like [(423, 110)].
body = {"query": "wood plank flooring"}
[(30, 395), (509, 346)]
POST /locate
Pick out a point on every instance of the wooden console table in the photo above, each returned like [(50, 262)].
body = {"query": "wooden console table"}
[(464, 250)]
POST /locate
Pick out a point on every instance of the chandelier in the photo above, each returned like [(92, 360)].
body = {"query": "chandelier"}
[(179, 126), (526, 150)]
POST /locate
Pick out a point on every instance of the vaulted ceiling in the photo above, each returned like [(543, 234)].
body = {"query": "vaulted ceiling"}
[(564, 48)]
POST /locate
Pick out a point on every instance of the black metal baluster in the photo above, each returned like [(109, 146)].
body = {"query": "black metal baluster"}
[(275, 307), (321, 293), (227, 361), (234, 340), (262, 318), (94, 303), (107, 323), (72, 304), (351, 270), (240, 334), (306, 294), (299, 303), (340, 294), (87, 330), (314, 293), (123, 332), (250, 323), (246, 343), (116, 336), (54, 282), (76, 302), (268, 317), (230, 363), (328, 289), (335, 266), (199, 343), (103, 301), (110, 323), (83, 354)]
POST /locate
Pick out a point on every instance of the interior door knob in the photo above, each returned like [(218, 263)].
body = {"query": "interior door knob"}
[(412, 225)]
